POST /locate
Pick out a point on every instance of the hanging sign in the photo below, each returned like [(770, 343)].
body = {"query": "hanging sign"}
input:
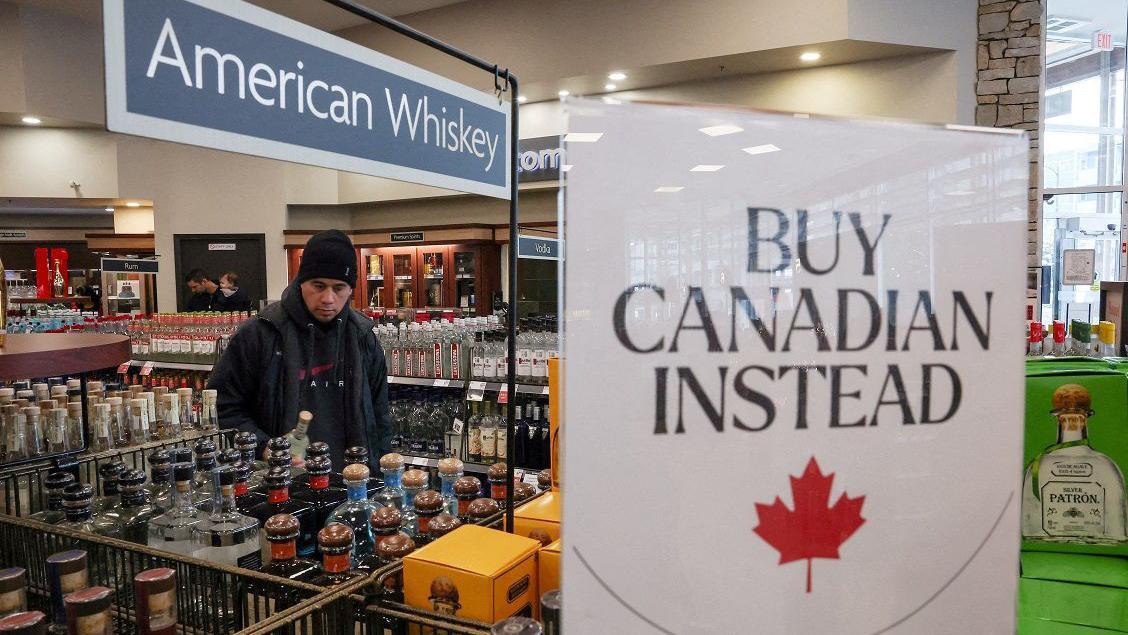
[(229, 75), (538, 248), (407, 237), (539, 159), (128, 265), (811, 359), (1078, 266)]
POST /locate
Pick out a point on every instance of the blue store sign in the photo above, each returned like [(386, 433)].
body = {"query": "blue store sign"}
[(228, 75), (538, 248)]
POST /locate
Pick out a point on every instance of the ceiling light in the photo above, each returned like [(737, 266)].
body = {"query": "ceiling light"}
[(133, 204), (617, 76), (565, 167), (109, 209), (522, 99), (32, 121), (810, 56), (583, 137), (563, 93), (609, 87), (764, 149), (716, 131), (705, 168), (665, 189)]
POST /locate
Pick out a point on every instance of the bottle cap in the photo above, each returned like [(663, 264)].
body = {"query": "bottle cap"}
[(23, 622), (184, 392), (415, 479), (385, 518), (277, 477), (395, 547), (9, 393), (279, 443), (203, 447), (114, 401), (242, 471), (281, 527), (1072, 398), (225, 474), (230, 456), (184, 471), (497, 471), (335, 538), (12, 579), (131, 480), (429, 501), (280, 458), (544, 479), (90, 597), (319, 466), (57, 481), (31, 411), (78, 493), (483, 508), (355, 472), (1107, 333), (246, 440), (181, 454), (356, 454), (305, 417), (442, 525), (521, 492), (450, 466), (517, 626), (467, 486), (158, 579), (391, 461), (110, 471), (317, 448)]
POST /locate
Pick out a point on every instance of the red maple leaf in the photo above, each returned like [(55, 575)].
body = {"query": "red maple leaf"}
[(813, 530)]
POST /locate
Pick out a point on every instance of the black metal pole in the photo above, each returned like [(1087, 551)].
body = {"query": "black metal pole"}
[(511, 404)]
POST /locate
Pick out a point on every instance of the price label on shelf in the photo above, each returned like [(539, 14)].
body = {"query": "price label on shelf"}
[(503, 395), (530, 478), (442, 383), (457, 425), (147, 369), (124, 368)]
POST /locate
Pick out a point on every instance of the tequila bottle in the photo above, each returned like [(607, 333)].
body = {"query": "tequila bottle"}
[(13, 590), (245, 498), (282, 530), (278, 502), (523, 492), (188, 414), (139, 427), (172, 530), (450, 470), (359, 454), (155, 590), (247, 443), (481, 509), (135, 512), (414, 482), (88, 611), (209, 417), (335, 542), (74, 424), (225, 535), (1072, 492), (497, 476), (67, 572), (55, 483), (391, 495), (299, 436), (428, 505), (204, 454), (467, 489), (385, 522), (356, 511), (442, 525), (103, 439), (320, 495), (118, 424)]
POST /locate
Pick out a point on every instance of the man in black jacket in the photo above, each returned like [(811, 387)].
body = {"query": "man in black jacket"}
[(310, 352)]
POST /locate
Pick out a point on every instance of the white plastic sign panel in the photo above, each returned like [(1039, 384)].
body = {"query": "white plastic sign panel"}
[(794, 376), (1078, 266)]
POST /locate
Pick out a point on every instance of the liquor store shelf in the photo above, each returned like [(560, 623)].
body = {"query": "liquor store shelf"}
[(422, 461), (172, 365), (486, 386), (491, 386)]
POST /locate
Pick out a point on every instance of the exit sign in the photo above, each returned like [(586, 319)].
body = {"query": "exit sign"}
[(1102, 40)]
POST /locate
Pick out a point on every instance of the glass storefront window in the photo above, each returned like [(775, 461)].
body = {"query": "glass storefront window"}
[(1080, 221)]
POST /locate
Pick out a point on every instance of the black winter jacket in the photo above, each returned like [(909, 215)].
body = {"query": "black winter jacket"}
[(257, 383)]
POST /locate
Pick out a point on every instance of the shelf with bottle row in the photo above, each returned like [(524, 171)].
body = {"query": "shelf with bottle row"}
[(423, 461), (427, 381), (524, 389), (171, 365)]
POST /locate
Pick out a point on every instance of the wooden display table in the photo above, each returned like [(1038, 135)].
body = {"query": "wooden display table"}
[(30, 355)]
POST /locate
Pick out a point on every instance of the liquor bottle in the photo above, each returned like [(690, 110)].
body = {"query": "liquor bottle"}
[(282, 531), (57, 438), (135, 512), (118, 424), (108, 474), (544, 480), (467, 489), (385, 522), (172, 530), (474, 432), (188, 415), (356, 511), (160, 480), (76, 502), (450, 470), (335, 541), (13, 590), (155, 590), (55, 483), (245, 498), (278, 502), (1072, 492), (544, 444), (33, 432), (550, 612), (442, 525), (299, 436), (489, 435), (481, 509), (520, 438), (359, 454), (88, 611), (279, 445), (139, 427), (66, 573), (391, 551), (523, 492), (209, 417), (226, 536), (247, 443), (204, 455), (391, 495), (428, 505), (172, 428), (497, 475), (319, 495), (517, 625), (414, 482), (230, 456), (24, 623), (314, 451), (100, 423)]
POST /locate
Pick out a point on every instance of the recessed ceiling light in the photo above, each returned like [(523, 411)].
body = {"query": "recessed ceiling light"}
[(609, 87), (583, 137), (665, 189), (109, 209), (617, 76), (133, 204), (32, 121), (563, 93), (764, 149), (565, 167), (705, 168), (810, 56), (522, 99), (716, 131)]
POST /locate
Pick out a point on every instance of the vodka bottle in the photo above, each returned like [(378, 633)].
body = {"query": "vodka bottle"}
[(108, 475), (56, 483), (489, 435), (76, 504), (159, 490), (391, 495), (299, 437), (33, 432), (136, 511), (188, 414), (209, 417), (118, 424), (226, 536), (172, 530)]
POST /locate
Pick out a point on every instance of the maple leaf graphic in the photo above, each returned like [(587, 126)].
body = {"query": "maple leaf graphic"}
[(812, 530)]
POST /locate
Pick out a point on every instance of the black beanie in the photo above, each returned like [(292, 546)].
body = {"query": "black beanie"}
[(329, 254)]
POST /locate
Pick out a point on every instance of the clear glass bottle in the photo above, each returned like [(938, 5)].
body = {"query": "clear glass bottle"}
[(172, 530), (209, 417), (103, 439), (335, 542), (391, 495), (57, 438), (76, 503), (247, 443), (55, 483), (1071, 491), (118, 424), (108, 475), (414, 482), (225, 535), (139, 428), (172, 428), (13, 591), (474, 434), (203, 452), (188, 414), (450, 470), (358, 454), (160, 485), (33, 432), (355, 512), (489, 435), (299, 436), (135, 512), (155, 590)]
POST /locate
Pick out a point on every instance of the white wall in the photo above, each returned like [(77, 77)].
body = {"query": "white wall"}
[(133, 220), (42, 162)]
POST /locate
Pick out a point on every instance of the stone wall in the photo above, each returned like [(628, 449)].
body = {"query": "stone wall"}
[(1008, 87)]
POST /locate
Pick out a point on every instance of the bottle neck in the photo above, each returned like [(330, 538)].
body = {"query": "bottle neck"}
[(409, 498), (393, 478), (282, 550), (55, 501), (448, 485), (133, 499), (182, 496), (358, 490), (319, 482), (78, 514), (1072, 427), (278, 494), (223, 499), (335, 562)]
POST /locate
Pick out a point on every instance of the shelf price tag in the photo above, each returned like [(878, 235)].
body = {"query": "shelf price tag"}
[(457, 425), (442, 383), (476, 391), (503, 394), (124, 368), (147, 368)]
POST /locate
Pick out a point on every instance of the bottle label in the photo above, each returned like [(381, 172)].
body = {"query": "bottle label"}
[(455, 361), (478, 366), (407, 364), (502, 442), (489, 442), (1072, 508), (162, 609), (489, 367), (251, 561), (497, 491), (540, 363), (13, 601), (318, 482), (438, 361), (285, 550), (421, 362), (395, 362), (241, 488), (475, 441), (524, 362)]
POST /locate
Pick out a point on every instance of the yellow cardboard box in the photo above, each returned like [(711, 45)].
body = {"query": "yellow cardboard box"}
[(474, 572), (539, 518), (548, 568), (555, 418)]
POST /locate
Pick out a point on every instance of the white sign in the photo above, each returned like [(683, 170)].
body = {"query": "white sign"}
[(1078, 266), (810, 357), (1102, 40), (221, 246)]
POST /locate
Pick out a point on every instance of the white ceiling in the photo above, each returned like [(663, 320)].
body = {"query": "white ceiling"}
[(315, 13), (1102, 15)]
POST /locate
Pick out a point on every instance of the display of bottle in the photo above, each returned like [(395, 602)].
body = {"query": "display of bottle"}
[(481, 509), (77, 500), (67, 572), (391, 495), (278, 501), (135, 512), (282, 531), (359, 455), (450, 470), (393, 550), (385, 522), (245, 498), (155, 592), (489, 435), (118, 423), (55, 483), (319, 494), (108, 475), (441, 525), (88, 611), (13, 590), (467, 489), (335, 541), (189, 412), (171, 427), (299, 436), (160, 485), (225, 535), (247, 443), (279, 445), (355, 512), (209, 415), (172, 530), (1071, 491)]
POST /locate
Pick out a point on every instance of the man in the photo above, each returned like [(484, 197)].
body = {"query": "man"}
[(310, 352), (203, 291), (230, 296)]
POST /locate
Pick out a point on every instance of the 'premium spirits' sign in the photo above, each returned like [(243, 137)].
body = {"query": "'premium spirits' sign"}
[(806, 362)]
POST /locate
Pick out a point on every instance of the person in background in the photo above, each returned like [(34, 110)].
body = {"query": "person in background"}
[(310, 351), (203, 291), (230, 296)]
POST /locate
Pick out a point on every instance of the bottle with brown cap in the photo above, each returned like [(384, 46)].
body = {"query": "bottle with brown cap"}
[(467, 489), (414, 482), (393, 550), (480, 509), (544, 480), (497, 476), (282, 531), (88, 611), (385, 522), (450, 470), (1071, 491), (319, 493), (442, 525), (355, 512), (359, 454), (523, 492), (278, 501), (428, 504), (336, 544), (391, 466)]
